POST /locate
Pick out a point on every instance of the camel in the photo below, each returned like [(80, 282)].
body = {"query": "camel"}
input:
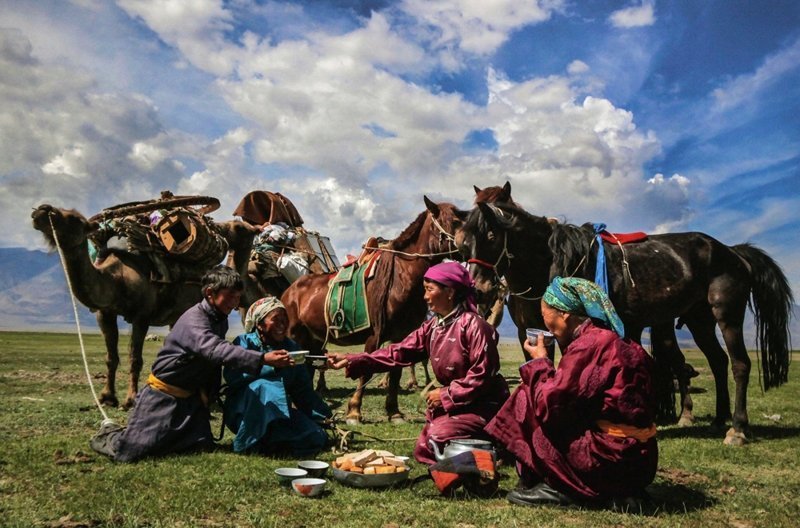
[(120, 285)]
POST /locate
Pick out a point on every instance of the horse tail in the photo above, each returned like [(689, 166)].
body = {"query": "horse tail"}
[(771, 303)]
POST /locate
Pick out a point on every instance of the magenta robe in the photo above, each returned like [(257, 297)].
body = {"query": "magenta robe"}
[(464, 359), (549, 423)]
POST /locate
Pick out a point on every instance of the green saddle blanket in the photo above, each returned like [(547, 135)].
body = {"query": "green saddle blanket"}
[(346, 307)]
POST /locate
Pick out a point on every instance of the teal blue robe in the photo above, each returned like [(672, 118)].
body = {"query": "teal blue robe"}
[(277, 409)]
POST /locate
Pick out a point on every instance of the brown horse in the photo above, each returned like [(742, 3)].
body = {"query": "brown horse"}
[(651, 283), (395, 296)]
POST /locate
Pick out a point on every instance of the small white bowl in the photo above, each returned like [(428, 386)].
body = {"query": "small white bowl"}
[(315, 468), (308, 487), (286, 475), (299, 356)]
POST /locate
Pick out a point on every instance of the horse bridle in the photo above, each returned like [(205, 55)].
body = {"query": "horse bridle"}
[(498, 278), (443, 234)]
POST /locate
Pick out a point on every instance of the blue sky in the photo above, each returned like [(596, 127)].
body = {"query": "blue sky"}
[(646, 115)]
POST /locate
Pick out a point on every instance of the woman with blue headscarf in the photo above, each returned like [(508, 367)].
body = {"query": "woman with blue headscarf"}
[(583, 432)]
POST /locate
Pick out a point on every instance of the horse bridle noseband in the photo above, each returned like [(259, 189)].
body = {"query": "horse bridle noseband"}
[(498, 278)]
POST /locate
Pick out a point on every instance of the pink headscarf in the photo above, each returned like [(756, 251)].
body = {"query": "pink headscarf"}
[(454, 275)]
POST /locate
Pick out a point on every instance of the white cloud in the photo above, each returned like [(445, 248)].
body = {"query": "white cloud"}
[(194, 27), (577, 67), (745, 88), (477, 26), (634, 16)]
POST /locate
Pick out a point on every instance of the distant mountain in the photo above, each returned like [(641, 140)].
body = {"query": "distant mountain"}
[(34, 296)]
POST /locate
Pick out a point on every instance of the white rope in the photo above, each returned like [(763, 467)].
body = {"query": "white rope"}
[(77, 321)]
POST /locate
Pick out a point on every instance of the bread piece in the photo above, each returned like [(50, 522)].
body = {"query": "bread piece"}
[(365, 456), (356, 469), (393, 461), (400, 469), (346, 465), (382, 453), (380, 470), (370, 470), (377, 462)]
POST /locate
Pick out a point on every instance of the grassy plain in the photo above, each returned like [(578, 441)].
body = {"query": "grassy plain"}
[(49, 476)]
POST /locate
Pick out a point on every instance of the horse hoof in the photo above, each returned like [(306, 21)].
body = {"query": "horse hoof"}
[(412, 386), (685, 421), (128, 404), (353, 420), (397, 419), (109, 400), (734, 438)]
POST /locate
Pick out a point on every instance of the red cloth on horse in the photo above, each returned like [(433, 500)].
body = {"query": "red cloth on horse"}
[(623, 238), (464, 359), (549, 423)]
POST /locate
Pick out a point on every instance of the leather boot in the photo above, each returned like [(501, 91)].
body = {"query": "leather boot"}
[(539, 495)]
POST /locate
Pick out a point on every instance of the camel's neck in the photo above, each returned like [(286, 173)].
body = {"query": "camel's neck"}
[(93, 288)]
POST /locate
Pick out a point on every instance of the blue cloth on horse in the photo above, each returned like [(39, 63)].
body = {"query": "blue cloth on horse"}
[(259, 409), (600, 273)]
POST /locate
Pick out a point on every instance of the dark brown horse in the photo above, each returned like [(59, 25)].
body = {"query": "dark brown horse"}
[(651, 283), (395, 296), (525, 311), (523, 307)]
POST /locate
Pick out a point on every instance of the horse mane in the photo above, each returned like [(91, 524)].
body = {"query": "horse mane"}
[(512, 217), (570, 244), (410, 232)]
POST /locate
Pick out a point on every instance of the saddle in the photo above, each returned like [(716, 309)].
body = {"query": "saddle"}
[(620, 239), (346, 304)]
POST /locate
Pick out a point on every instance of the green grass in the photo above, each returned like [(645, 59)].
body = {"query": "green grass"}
[(47, 417)]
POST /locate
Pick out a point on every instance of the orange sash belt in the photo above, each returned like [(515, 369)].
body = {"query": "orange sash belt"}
[(627, 431), (172, 390)]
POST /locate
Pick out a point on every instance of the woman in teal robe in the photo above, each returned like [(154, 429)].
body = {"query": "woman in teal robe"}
[(277, 410)]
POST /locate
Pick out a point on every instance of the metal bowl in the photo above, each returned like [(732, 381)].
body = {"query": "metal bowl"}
[(359, 480)]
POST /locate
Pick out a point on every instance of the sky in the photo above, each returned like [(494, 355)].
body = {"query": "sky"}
[(646, 115)]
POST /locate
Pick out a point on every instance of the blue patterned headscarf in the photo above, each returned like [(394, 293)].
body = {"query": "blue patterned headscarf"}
[(583, 297)]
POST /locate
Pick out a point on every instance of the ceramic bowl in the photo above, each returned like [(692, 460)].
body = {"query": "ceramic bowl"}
[(315, 468), (287, 475), (299, 356), (308, 487), (533, 336)]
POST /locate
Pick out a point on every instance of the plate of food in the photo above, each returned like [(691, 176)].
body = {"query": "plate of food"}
[(370, 468)]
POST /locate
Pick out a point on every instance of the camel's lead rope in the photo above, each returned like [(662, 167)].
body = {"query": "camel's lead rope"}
[(77, 321)]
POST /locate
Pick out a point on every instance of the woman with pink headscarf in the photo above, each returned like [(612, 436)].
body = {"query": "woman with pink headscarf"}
[(462, 348)]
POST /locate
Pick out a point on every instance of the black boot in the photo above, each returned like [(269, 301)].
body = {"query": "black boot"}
[(539, 495)]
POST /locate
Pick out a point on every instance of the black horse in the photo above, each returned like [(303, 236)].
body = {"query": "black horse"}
[(690, 276)]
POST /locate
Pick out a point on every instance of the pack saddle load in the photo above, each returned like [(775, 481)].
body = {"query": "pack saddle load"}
[(174, 232), (284, 248)]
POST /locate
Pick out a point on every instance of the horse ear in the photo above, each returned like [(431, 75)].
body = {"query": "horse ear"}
[(507, 188), (432, 207), (477, 189)]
